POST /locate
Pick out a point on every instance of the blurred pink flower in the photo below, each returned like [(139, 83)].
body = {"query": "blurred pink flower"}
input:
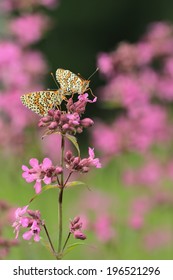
[(104, 63), (158, 238), (29, 28), (97, 215), (149, 174), (144, 53), (103, 227), (125, 91), (106, 139), (10, 5), (139, 207), (136, 221)]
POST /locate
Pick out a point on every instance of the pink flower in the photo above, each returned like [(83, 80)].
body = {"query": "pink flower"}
[(136, 221), (67, 122), (21, 220), (33, 232), (81, 165), (103, 228), (29, 28), (40, 172), (104, 62), (92, 160), (106, 139), (158, 238), (28, 219)]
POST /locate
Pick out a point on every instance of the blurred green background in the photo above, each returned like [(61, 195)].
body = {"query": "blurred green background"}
[(81, 30)]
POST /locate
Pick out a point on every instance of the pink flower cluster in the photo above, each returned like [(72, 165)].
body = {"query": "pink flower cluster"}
[(68, 122), (30, 220), (21, 67), (135, 84), (75, 228), (81, 165), (48, 173)]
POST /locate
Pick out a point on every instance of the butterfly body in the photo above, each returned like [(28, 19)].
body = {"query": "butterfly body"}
[(70, 82), (41, 102)]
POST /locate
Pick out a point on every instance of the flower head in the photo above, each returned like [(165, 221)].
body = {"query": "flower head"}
[(28, 219), (75, 228), (69, 121), (45, 172), (82, 165)]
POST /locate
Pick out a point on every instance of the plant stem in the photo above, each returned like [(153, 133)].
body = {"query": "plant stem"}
[(48, 236), (62, 159), (66, 241), (60, 219), (60, 198), (66, 181)]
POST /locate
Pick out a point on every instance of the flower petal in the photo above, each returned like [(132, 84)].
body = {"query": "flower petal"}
[(91, 152), (47, 180), (27, 235), (47, 163), (37, 186), (34, 163), (36, 238), (25, 168)]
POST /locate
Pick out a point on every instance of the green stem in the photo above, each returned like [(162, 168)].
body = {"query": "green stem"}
[(66, 181), (66, 241), (60, 197), (51, 244)]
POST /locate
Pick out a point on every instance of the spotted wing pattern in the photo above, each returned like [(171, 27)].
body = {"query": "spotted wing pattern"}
[(41, 102), (70, 82)]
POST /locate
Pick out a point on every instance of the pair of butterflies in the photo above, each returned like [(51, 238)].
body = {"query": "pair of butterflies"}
[(41, 102)]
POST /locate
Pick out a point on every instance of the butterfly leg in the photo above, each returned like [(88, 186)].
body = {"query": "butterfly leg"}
[(91, 92)]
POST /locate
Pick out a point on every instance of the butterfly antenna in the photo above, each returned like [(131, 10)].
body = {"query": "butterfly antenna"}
[(54, 79), (93, 73)]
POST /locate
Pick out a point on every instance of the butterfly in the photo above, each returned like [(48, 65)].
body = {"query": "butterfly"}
[(41, 102), (71, 83)]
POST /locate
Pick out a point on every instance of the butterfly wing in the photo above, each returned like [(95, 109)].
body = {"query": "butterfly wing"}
[(69, 82), (41, 102)]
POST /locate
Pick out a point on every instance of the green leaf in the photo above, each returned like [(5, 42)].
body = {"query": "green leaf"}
[(71, 247), (45, 188), (74, 184), (74, 141)]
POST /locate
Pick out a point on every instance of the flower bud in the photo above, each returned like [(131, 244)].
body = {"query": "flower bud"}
[(76, 220), (51, 112), (57, 115), (79, 130), (65, 126), (46, 119), (53, 125), (85, 169), (86, 122), (79, 235), (68, 155), (58, 170)]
